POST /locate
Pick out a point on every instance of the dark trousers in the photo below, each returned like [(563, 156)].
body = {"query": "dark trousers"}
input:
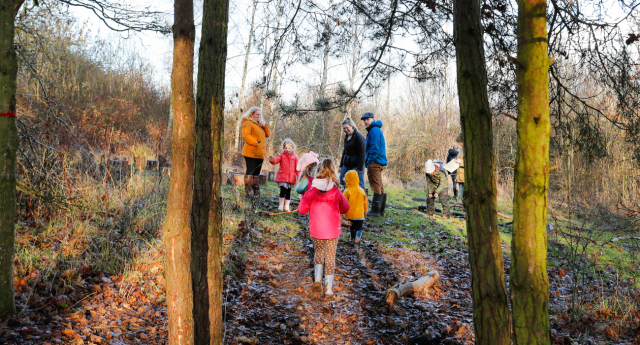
[(356, 225), (285, 193), (444, 200), (254, 165)]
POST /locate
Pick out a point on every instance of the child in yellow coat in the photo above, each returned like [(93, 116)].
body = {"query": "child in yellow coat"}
[(358, 205)]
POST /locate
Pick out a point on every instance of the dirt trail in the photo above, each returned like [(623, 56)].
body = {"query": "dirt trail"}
[(271, 301)]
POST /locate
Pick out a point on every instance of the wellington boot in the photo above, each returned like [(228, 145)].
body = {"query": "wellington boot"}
[(287, 204), (256, 186), (281, 206), (375, 205), (383, 204), (317, 279), (328, 281), (248, 186)]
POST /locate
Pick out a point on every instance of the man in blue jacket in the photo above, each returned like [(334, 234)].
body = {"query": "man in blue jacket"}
[(375, 161)]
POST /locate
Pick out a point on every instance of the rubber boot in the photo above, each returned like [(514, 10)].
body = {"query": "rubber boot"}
[(358, 237), (248, 186), (287, 203), (455, 195), (328, 280), (375, 206), (383, 204), (256, 185), (317, 281), (281, 206)]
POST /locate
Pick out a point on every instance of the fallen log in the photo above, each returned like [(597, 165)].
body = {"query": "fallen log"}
[(616, 239), (396, 292), (504, 216), (281, 213)]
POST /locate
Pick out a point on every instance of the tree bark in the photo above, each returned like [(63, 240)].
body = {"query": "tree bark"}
[(177, 229), (8, 150), (211, 72), (529, 280), (489, 291), (237, 136)]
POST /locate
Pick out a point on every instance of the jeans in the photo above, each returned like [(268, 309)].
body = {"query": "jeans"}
[(343, 172), (461, 191)]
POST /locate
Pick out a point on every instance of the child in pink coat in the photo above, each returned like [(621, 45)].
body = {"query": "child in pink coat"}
[(326, 203), (287, 174)]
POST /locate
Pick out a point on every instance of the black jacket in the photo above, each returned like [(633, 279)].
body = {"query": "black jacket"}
[(353, 153), (453, 154)]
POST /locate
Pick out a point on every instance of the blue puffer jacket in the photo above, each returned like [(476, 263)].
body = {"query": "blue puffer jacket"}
[(376, 148)]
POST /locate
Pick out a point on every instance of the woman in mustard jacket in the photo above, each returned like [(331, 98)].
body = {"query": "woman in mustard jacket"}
[(255, 133)]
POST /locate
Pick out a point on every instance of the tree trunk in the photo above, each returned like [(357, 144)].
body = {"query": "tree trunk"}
[(489, 291), (325, 55), (211, 71), (8, 150), (237, 136), (529, 281), (177, 230)]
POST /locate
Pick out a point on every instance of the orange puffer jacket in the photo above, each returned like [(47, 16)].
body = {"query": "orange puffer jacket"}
[(255, 139)]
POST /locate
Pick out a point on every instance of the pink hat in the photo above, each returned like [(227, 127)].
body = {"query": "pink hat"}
[(307, 159)]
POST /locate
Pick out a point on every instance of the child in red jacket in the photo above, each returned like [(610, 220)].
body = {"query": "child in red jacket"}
[(326, 203), (287, 174)]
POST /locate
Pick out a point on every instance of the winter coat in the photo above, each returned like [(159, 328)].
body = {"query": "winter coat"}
[(354, 152), (453, 154), (287, 171), (255, 139), (356, 197), (326, 203), (438, 183), (460, 177), (375, 147)]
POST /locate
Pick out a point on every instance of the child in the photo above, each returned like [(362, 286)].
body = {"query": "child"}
[(306, 167), (326, 204), (437, 185), (287, 174), (358, 205)]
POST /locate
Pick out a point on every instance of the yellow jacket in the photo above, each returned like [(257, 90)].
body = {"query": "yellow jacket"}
[(356, 197), (255, 139)]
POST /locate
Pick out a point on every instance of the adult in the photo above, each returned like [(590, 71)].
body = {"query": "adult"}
[(353, 153), (453, 154), (375, 161), (460, 171), (255, 133)]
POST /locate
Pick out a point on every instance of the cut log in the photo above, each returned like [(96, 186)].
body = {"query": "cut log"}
[(272, 176), (504, 216), (238, 179), (229, 169), (141, 162), (262, 179), (396, 292)]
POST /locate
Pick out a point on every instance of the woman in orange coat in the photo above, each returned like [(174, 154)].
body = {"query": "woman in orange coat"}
[(255, 133)]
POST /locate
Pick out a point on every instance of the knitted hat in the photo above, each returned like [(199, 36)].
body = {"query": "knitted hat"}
[(429, 167), (307, 159)]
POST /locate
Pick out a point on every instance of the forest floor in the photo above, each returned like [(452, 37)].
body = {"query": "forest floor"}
[(87, 299)]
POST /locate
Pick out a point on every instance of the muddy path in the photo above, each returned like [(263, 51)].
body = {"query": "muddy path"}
[(270, 301)]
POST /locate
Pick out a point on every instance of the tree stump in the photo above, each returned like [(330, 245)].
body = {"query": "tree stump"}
[(238, 179), (166, 171), (141, 162), (152, 164), (396, 292), (262, 179), (227, 170), (272, 176)]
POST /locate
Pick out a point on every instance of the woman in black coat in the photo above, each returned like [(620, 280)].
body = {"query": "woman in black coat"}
[(353, 153)]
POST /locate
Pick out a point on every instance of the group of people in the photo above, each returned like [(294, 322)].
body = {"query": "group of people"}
[(438, 180), (326, 196)]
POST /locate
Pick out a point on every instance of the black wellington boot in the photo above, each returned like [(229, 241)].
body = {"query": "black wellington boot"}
[(375, 205), (384, 204)]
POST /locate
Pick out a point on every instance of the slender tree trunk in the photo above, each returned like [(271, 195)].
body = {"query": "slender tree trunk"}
[(8, 150), (529, 281), (489, 291), (266, 57), (177, 230), (211, 71), (237, 136), (325, 56)]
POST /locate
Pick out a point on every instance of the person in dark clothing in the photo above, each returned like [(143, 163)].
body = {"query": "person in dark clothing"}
[(437, 186), (353, 153), (453, 154), (375, 162)]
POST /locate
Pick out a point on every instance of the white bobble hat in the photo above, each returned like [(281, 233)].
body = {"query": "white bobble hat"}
[(429, 167)]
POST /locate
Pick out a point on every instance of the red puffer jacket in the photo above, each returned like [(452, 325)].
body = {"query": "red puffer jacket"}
[(326, 204), (287, 171)]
